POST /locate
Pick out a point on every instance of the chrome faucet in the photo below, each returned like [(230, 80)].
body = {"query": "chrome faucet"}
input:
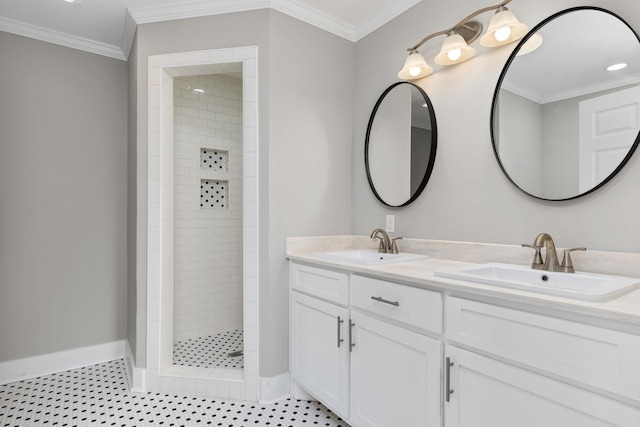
[(387, 245), (385, 242), (551, 256)]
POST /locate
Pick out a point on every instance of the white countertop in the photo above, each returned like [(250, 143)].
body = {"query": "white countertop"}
[(624, 310)]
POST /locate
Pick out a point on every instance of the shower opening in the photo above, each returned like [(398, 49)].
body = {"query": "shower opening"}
[(208, 221)]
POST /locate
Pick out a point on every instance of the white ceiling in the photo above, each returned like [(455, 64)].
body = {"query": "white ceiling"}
[(572, 62), (107, 27)]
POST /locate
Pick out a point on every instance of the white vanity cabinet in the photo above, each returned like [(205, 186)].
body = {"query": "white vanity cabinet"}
[(487, 393), (366, 354), (395, 368), (319, 330), (536, 370), (384, 354)]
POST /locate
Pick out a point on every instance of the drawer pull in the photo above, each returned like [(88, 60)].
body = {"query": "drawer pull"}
[(340, 321), (351, 343), (449, 392), (386, 301)]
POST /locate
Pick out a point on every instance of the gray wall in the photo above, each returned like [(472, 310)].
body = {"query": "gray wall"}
[(305, 122), (310, 157), (63, 117), (468, 198), (520, 140)]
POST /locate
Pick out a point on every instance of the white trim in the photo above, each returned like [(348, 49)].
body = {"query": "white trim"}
[(128, 34), (193, 9), (389, 12), (31, 367), (275, 388), (198, 8), (159, 373), (135, 376), (316, 18), (570, 93), (59, 38)]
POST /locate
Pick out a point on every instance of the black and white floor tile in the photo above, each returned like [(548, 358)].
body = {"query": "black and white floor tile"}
[(98, 395), (210, 352)]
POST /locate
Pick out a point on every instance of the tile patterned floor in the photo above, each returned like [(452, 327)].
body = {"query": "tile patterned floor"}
[(210, 352), (98, 395)]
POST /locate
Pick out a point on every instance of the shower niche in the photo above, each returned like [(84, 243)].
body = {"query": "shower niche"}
[(208, 224)]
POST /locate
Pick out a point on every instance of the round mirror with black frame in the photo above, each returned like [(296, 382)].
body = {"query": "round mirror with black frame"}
[(400, 146), (565, 117)]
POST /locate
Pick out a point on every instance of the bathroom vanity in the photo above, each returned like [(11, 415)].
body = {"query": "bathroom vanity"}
[(395, 345)]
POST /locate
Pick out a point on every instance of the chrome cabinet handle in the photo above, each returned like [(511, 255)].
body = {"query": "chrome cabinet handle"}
[(449, 392), (340, 321), (386, 301), (351, 343)]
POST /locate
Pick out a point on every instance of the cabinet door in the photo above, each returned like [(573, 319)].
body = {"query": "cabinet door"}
[(395, 376), (488, 393), (320, 363)]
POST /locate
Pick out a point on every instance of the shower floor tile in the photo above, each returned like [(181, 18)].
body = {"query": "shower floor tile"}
[(99, 395), (210, 352)]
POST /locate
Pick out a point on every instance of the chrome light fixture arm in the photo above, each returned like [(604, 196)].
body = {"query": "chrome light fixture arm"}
[(462, 23)]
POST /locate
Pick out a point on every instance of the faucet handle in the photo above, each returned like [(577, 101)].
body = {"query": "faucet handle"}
[(381, 248), (394, 245), (537, 263), (567, 264)]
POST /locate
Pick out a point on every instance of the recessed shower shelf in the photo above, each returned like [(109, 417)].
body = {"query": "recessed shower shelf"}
[(212, 159), (214, 194)]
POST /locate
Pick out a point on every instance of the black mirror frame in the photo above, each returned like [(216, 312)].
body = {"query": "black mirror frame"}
[(492, 121), (432, 153)]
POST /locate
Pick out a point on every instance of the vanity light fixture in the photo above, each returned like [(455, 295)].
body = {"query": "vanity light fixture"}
[(454, 50), (504, 28), (415, 67), (530, 45)]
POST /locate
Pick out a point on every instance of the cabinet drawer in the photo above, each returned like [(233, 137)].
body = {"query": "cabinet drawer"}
[(587, 354), (327, 284), (417, 307)]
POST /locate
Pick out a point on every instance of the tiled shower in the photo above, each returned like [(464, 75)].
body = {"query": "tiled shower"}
[(208, 274)]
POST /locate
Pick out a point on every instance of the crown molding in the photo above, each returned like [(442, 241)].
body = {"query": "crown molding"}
[(386, 14), (193, 9), (571, 92), (59, 38), (128, 34), (315, 17), (199, 8)]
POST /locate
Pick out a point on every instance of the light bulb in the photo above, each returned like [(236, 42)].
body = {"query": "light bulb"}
[(414, 71), (502, 34), (454, 54)]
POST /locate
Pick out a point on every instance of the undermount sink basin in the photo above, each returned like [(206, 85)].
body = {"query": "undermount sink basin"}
[(582, 286), (368, 257)]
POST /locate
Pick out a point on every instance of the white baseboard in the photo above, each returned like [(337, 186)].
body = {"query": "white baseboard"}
[(274, 388), (137, 376), (31, 367)]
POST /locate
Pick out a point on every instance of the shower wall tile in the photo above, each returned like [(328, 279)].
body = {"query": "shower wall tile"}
[(208, 239)]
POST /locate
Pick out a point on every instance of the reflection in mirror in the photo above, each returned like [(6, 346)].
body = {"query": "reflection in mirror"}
[(562, 123), (400, 146)]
